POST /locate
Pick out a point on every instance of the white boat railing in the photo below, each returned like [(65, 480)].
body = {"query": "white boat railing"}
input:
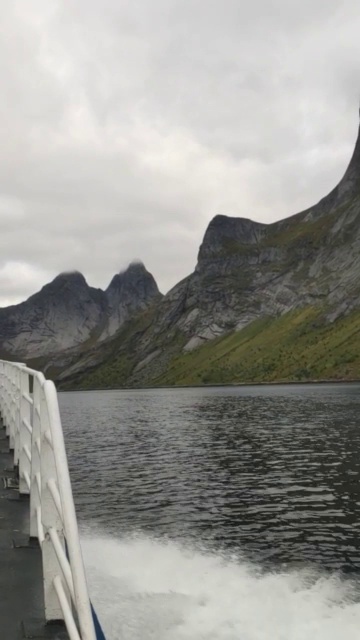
[(30, 413)]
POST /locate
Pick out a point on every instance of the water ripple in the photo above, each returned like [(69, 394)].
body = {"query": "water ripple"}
[(271, 471)]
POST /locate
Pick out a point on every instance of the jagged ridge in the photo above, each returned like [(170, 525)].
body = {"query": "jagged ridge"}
[(68, 313)]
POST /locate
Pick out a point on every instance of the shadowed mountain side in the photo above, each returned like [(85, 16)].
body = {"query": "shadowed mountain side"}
[(67, 313)]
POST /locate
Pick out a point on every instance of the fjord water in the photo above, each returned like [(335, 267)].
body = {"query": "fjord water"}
[(223, 513)]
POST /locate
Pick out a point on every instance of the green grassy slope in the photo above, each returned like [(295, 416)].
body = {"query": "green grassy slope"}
[(297, 346)]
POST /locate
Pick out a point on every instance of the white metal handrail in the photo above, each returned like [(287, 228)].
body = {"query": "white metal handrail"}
[(30, 412)]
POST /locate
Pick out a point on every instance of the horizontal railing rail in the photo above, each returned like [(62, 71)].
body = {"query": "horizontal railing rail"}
[(30, 413)]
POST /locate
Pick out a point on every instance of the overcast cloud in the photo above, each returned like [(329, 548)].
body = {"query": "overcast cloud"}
[(127, 125)]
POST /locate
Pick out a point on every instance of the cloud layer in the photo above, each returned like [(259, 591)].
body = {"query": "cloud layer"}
[(126, 126)]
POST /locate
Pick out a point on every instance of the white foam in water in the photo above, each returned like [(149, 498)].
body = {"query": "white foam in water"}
[(148, 590)]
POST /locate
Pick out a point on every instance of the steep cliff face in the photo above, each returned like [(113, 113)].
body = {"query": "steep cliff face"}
[(247, 271), (68, 314)]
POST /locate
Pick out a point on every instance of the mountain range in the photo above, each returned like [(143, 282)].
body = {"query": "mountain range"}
[(69, 314), (266, 302)]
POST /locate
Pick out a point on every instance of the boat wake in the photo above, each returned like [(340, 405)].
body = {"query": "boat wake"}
[(145, 589)]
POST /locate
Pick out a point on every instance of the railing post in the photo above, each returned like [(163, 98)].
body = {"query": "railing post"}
[(50, 518), (4, 414), (35, 478), (7, 401), (11, 408), (4, 396), (17, 417), (2, 381), (25, 437)]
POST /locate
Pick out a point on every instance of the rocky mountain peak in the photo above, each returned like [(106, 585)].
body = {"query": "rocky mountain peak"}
[(135, 279), (67, 312), (225, 232), (68, 280), (129, 291)]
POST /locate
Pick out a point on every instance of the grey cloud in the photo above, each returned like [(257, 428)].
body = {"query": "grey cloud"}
[(127, 125)]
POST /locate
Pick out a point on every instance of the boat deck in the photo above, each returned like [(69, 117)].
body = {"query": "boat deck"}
[(21, 588)]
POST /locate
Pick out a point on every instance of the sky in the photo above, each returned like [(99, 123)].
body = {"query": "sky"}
[(125, 126)]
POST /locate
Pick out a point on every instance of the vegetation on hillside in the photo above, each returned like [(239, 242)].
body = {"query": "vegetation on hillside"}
[(298, 346)]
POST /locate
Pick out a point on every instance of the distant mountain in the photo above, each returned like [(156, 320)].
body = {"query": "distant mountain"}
[(265, 302), (68, 314), (128, 293)]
